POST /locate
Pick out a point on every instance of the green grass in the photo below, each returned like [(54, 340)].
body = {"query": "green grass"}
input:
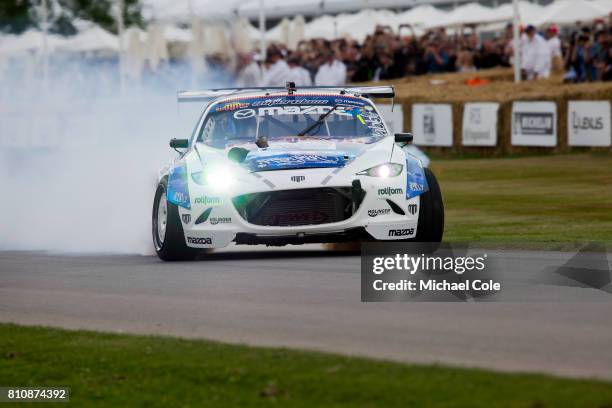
[(122, 370), (543, 199)]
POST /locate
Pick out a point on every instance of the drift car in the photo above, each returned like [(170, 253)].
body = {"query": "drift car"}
[(281, 166)]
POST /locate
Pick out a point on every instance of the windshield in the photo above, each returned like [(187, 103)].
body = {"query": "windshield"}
[(285, 117)]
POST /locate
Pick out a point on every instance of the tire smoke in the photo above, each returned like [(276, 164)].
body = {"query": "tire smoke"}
[(79, 157)]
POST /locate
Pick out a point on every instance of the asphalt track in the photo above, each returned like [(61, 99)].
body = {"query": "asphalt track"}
[(309, 298)]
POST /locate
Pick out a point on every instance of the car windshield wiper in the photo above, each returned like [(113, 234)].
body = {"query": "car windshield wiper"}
[(318, 122)]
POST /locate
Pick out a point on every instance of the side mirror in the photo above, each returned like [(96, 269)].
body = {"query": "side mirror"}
[(179, 143), (403, 138)]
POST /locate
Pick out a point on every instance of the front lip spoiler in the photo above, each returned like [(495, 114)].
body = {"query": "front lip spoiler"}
[(349, 235)]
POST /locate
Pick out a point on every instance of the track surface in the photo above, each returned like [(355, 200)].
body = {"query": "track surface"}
[(309, 298)]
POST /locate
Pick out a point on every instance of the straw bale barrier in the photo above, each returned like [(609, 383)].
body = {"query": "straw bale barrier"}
[(452, 89)]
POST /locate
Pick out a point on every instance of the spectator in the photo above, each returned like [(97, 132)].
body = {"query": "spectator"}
[(366, 65), (250, 75), (436, 58), (465, 61), (577, 59), (385, 68), (331, 72), (297, 74), (536, 55), (386, 55), (277, 72), (488, 56), (600, 56), (407, 56), (554, 43)]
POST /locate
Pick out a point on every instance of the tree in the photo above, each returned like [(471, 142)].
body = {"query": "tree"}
[(19, 15), (16, 16)]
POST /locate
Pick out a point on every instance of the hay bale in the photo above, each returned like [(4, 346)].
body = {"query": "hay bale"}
[(452, 89)]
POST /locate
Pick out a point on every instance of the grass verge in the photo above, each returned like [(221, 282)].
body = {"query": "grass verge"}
[(554, 199), (127, 370)]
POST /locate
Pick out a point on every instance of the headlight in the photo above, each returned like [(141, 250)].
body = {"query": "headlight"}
[(219, 178), (383, 170), (198, 178)]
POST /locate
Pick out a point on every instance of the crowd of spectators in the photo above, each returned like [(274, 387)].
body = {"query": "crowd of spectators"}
[(584, 55)]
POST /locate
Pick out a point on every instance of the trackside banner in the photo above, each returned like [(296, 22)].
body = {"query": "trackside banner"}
[(394, 118), (480, 124), (534, 124), (588, 123), (432, 124)]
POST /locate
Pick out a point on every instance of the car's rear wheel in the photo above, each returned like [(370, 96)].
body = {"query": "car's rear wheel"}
[(168, 236), (431, 215)]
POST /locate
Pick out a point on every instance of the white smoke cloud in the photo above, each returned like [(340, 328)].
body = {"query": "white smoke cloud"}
[(79, 159)]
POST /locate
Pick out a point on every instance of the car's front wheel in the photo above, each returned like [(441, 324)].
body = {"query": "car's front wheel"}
[(168, 236), (431, 214)]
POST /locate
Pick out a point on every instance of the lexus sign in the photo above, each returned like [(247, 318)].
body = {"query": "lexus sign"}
[(588, 123)]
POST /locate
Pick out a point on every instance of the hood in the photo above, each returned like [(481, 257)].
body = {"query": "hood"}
[(282, 155)]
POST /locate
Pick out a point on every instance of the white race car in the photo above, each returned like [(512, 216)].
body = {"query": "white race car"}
[(281, 166)]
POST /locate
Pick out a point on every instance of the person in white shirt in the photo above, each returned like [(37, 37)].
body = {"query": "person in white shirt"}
[(251, 74), (298, 74), (331, 73), (537, 59), (277, 73), (554, 43)]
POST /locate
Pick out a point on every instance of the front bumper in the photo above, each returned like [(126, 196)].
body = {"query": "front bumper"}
[(382, 212)]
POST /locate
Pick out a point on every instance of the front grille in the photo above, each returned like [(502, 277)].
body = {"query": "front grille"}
[(289, 208)]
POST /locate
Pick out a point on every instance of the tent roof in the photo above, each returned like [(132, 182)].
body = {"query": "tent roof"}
[(529, 12), (471, 13), (568, 12), (421, 15), (28, 41), (92, 39), (359, 25)]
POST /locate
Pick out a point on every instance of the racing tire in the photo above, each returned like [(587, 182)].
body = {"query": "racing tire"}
[(169, 239), (431, 215)]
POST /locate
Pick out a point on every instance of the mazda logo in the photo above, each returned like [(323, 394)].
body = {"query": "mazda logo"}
[(244, 114)]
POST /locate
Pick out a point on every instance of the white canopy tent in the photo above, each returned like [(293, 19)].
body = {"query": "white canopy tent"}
[(135, 53), (197, 48), (359, 25), (322, 27), (29, 41), (568, 12), (605, 4), (529, 13), (94, 39), (184, 10), (173, 33), (242, 39), (314, 8), (471, 13), (297, 32), (216, 39), (213, 37), (421, 16), (156, 46), (280, 32)]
